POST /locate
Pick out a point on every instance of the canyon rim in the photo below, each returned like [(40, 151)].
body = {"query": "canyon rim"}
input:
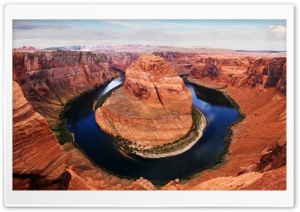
[(167, 96)]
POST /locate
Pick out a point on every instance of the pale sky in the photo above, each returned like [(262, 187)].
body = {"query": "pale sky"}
[(229, 34)]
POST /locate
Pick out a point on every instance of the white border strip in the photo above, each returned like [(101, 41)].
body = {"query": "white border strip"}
[(147, 11), (147, 198)]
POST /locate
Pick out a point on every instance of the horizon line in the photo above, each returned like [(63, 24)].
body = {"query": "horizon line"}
[(189, 47)]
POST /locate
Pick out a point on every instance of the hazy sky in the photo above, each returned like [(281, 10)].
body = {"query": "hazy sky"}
[(230, 34)]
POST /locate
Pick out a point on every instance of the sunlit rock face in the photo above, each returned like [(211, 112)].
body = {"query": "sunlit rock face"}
[(153, 107), (49, 79), (39, 162)]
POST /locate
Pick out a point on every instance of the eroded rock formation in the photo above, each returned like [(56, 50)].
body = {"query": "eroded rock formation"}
[(269, 73), (259, 141), (38, 160), (153, 107), (49, 79), (121, 60), (40, 163), (181, 62), (257, 158), (272, 180), (206, 67)]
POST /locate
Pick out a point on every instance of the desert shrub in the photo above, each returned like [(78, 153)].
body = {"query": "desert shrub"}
[(62, 133)]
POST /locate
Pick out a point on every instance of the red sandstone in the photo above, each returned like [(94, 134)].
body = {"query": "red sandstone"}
[(257, 158)]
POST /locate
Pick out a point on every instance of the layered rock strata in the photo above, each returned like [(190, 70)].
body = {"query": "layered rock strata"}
[(153, 107), (259, 141), (38, 160), (269, 73), (121, 60), (40, 163), (49, 79), (257, 152)]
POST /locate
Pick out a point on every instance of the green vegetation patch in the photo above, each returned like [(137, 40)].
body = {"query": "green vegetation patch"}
[(61, 131)]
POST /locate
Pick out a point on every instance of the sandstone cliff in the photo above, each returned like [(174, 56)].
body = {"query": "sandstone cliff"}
[(49, 79), (40, 163), (242, 71), (269, 73), (121, 60), (38, 160), (181, 62), (206, 68), (259, 142), (152, 108)]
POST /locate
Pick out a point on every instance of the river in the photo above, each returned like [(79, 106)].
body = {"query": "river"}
[(100, 148)]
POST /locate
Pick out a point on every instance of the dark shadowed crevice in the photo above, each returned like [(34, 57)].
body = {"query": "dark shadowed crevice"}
[(159, 98)]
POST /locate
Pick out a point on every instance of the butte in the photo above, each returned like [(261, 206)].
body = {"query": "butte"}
[(152, 108)]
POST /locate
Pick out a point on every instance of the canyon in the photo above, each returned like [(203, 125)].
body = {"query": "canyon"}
[(46, 80), (50, 79)]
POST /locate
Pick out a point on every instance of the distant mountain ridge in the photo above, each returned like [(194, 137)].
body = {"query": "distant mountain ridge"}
[(260, 51), (143, 48), (129, 48), (25, 48)]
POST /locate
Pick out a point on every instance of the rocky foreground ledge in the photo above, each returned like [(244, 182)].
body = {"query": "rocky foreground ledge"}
[(152, 109)]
